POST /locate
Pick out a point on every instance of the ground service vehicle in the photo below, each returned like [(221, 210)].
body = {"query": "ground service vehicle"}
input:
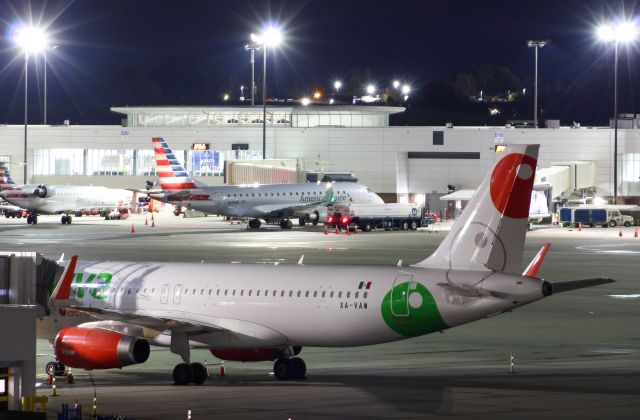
[(390, 216), (593, 216)]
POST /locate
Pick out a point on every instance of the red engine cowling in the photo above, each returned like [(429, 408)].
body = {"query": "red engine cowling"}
[(96, 348), (245, 355)]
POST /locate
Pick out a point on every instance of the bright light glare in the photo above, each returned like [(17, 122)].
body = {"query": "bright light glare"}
[(371, 89), (225, 97), (337, 84), (305, 101), (621, 32), (331, 101), (396, 84), (317, 94), (406, 89), (272, 36), (31, 39)]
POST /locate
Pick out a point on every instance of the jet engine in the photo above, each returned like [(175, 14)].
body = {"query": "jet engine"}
[(44, 191), (253, 355), (96, 348)]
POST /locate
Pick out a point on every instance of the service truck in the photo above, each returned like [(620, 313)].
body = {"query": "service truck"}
[(604, 217), (390, 216)]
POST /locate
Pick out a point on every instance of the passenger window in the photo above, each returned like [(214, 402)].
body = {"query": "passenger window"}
[(153, 290), (315, 293), (357, 293), (306, 294), (282, 294), (186, 292), (299, 291), (266, 293), (258, 292), (226, 291), (297, 193), (339, 294), (275, 292), (271, 194), (234, 292), (323, 294), (145, 290), (218, 292), (202, 292), (331, 295), (290, 293), (129, 291), (194, 292), (242, 292), (348, 295), (250, 291)]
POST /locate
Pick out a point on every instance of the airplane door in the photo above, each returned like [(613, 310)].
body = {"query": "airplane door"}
[(217, 198), (177, 293), (164, 296), (402, 286)]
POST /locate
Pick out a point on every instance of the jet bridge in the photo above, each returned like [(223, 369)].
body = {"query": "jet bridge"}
[(25, 281)]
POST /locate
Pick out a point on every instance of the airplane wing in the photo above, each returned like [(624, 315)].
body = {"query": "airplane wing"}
[(9, 207)]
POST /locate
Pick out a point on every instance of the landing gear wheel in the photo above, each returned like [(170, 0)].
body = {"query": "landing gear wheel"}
[(29, 219), (286, 224), (299, 368), (34, 219), (181, 374), (254, 223), (282, 369), (198, 373)]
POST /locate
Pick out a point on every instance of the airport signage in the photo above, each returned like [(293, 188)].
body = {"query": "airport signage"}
[(200, 146)]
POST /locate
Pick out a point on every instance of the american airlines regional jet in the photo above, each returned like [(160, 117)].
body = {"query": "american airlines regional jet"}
[(248, 312), (59, 199), (281, 202)]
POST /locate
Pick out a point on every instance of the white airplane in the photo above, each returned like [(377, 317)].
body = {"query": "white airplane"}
[(268, 313), (308, 202), (59, 199)]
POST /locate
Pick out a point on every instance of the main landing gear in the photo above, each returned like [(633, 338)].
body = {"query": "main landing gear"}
[(55, 369), (66, 219), (32, 219), (185, 373), (289, 368), (254, 223), (286, 224)]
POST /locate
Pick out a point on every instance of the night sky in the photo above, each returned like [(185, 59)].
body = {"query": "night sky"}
[(156, 52)]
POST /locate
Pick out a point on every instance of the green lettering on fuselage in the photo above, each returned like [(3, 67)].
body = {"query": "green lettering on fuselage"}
[(100, 289)]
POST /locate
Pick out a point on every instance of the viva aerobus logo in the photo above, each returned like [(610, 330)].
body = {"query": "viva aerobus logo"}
[(96, 283)]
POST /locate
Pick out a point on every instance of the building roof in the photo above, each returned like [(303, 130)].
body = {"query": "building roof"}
[(257, 110)]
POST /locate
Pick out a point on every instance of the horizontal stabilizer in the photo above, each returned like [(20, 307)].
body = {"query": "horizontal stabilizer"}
[(565, 286)]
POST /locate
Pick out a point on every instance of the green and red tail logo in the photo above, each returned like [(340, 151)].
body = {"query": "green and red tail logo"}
[(410, 309)]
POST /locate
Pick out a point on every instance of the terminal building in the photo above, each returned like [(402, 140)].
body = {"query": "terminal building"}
[(401, 163)]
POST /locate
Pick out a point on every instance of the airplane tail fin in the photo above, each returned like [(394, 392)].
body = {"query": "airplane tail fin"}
[(490, 233), (173, 176), (6, 182)]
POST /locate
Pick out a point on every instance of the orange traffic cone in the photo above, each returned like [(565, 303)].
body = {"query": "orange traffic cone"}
[(146, 220), (133, 228), (635, 235), (620, 233), (152, 218), (153, 222), (579, 227)]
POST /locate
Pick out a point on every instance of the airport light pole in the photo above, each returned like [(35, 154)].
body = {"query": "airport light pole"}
[(31, 40), (535, 44), (271, 37), (253, 46), (622, 32), (45, 82)]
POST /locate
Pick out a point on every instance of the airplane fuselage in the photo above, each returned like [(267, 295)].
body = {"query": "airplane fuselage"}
[(66, 198), (244, 306), (271, 200)]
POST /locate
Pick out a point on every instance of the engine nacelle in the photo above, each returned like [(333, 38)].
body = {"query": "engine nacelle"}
[(44, 191), (96, 348), (254, 355)]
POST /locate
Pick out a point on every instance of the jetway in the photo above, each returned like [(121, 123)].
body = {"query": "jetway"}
[(25, 281), (566, 177)]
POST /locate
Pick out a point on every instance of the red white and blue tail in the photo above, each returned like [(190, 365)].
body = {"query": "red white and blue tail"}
[(6, 182), (173, 176), (490, 233)]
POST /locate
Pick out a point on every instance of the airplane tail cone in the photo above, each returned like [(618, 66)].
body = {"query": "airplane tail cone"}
[(133, 228), (579, 227)]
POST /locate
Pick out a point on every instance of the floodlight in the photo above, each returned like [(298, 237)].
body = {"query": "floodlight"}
[(337, 85), (305, 101), (272, 36), (30, 39), (371, 89), (406, 89), (396, 84), (626, 32)]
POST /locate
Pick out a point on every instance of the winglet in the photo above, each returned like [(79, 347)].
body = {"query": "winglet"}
[(63, 288), (536, 262)]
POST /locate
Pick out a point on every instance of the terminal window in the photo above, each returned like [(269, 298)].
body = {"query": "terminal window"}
[(438, 138)]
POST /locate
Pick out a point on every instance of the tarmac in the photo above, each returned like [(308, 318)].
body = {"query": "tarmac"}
[(576, 354)]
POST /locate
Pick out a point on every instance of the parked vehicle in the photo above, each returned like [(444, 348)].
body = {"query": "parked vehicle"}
[(594, 216), (366, 217)]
